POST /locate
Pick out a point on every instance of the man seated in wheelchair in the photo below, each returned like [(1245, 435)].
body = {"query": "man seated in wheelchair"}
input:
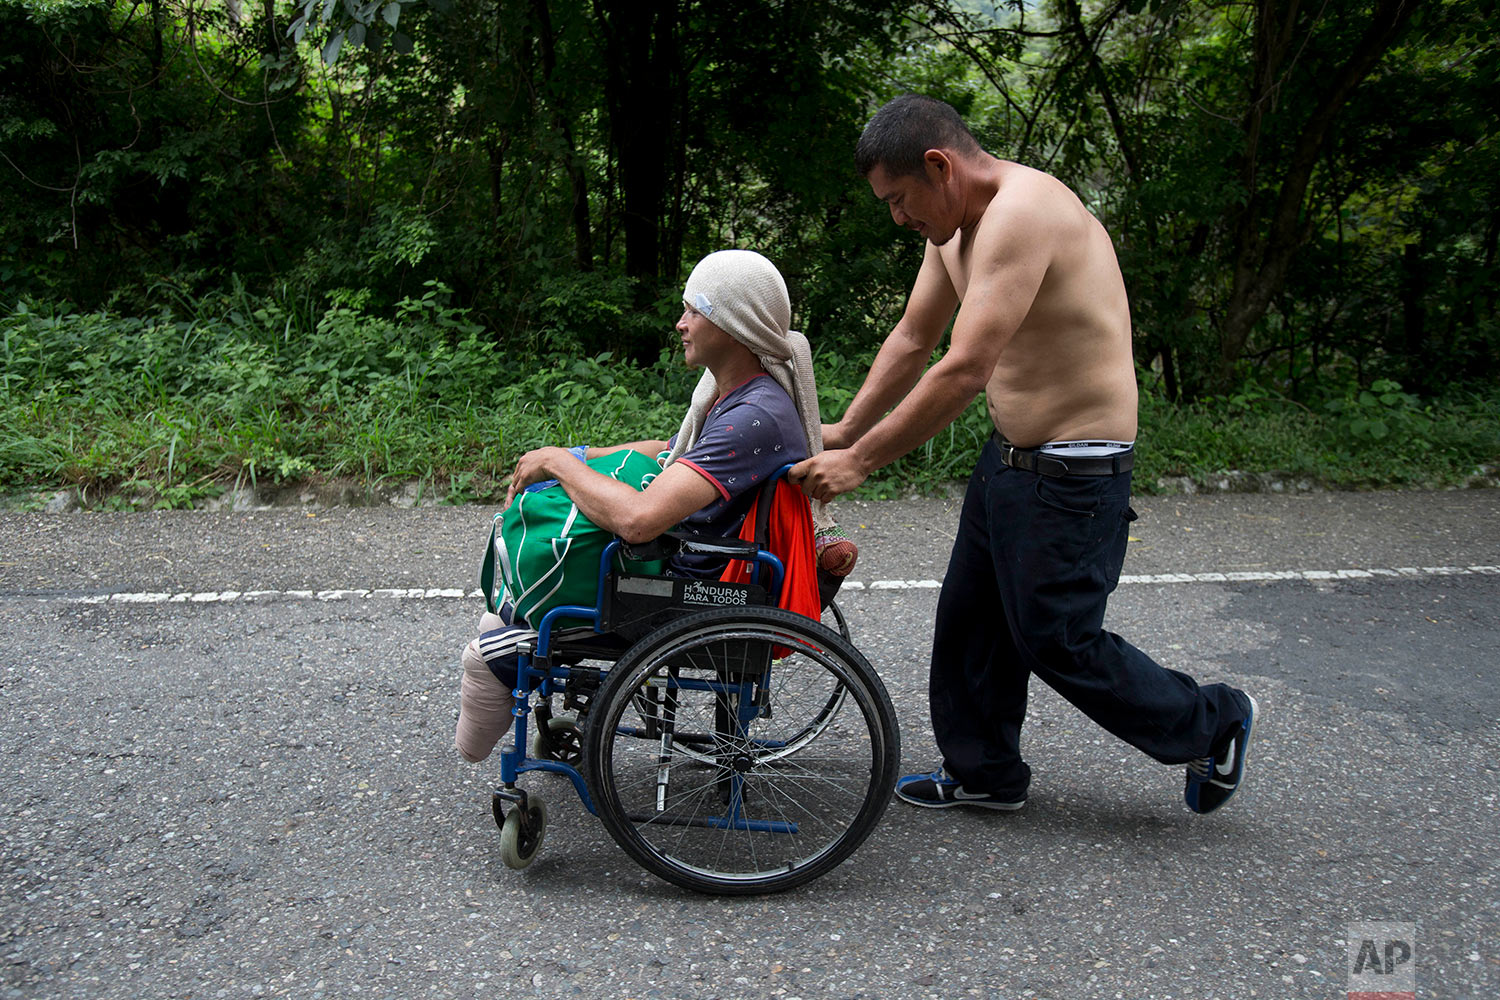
[(754, 411)]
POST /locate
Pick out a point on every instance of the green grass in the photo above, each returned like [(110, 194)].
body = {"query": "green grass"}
[(165, 411), (1360, 439), (170, 410)]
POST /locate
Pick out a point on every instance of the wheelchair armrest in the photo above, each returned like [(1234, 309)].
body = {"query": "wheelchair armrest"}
[(732, 547), (673, 542), (661, 547)]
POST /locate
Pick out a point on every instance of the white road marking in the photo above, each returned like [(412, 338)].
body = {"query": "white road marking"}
[(457, 593)]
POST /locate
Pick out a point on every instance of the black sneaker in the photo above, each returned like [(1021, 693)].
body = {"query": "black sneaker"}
[(1212, 781), (939, 791)]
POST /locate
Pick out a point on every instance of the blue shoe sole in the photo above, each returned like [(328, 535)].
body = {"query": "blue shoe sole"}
[(1191, 794)]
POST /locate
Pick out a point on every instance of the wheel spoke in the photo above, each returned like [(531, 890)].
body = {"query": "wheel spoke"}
[(791, 767)]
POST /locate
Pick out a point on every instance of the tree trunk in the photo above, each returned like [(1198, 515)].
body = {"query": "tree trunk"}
[(273, 39), (1262, 259), (158, 20), (1088, 50), (1414, 318), (497, 177), (583, 239), (641, 64)]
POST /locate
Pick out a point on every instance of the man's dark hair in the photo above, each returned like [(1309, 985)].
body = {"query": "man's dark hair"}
[(904, 130)]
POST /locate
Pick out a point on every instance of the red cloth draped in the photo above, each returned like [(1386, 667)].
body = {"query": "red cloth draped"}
[(790, 533)]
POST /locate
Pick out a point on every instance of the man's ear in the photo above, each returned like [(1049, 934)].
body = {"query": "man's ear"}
[(939, 166)]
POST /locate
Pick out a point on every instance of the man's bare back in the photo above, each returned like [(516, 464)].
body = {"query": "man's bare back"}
[(1068, 372)]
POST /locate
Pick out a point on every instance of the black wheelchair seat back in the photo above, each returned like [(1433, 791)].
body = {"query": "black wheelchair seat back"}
[(634, 605)]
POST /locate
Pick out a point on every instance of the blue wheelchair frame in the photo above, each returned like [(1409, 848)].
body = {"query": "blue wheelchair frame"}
[(537, 675)]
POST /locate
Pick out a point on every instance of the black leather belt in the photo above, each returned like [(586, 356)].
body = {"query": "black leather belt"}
[(1049, 464)]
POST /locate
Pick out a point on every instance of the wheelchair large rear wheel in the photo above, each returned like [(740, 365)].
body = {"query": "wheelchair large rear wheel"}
[(720, 760), (818, 704)]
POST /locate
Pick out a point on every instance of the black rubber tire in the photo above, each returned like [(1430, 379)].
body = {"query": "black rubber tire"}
[(522, 832), (561, 741), (660, 756), (833, 617)]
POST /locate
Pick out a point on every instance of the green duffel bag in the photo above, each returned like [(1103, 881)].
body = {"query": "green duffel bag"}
[(543, 552)]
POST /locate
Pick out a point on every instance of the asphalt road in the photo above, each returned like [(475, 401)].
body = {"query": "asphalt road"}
[(228, 773)]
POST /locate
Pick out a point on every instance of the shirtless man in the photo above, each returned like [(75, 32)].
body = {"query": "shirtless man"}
[(1043, 329)]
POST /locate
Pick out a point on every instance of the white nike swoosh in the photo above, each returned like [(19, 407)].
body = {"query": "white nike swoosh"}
[(959, 793), (1226, 768)]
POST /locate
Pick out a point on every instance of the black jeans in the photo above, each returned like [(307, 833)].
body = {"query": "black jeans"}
[(1033, 564)]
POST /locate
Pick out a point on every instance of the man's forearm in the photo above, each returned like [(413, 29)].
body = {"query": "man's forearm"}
[(940, 396)]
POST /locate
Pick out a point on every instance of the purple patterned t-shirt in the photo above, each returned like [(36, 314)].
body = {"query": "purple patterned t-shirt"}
[(749, 433)]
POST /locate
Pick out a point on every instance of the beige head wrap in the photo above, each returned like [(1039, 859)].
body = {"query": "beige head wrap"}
[(743, 294)]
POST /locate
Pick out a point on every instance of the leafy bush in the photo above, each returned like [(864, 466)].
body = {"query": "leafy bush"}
[(1362, 438), (174, 408), (167, 410), (1380, 412)]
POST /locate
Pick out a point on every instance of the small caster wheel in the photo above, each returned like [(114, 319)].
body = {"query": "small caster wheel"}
[(561, 741), (521, 832)]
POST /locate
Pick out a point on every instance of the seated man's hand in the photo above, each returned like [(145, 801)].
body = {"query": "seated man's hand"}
[(533, 467), (829, 474)]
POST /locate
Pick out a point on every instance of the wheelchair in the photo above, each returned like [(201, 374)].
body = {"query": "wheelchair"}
[(728, 746)]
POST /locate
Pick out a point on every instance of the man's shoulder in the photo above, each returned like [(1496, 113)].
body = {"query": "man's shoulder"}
[(1011, 172), (1030, 193), (761, 393), (1032, 213)]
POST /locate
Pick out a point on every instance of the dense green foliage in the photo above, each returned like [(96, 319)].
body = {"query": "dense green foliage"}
[(167, 411), (407, 239)]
